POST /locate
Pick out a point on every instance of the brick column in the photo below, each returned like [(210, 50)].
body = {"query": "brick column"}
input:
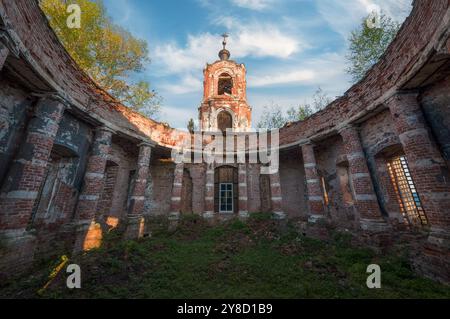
[(175, 201), (92, 185), (135, 217), (426, 163), (365, 199), (7, 47), (25, 177), (243, 195), (4, 52), (209, 192), (276, 196), (313, 188)]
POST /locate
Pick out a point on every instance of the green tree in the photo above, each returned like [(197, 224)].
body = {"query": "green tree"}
[(369, 42), (299, 113), (105, 51), (191, 126), (273, 116), (320, 100)]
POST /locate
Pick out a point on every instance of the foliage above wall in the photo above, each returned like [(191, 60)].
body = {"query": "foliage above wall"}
[(105, 51)]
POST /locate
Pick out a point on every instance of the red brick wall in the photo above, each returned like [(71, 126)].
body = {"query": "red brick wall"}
[(327, 155), (107, 196), (158, 192), (435, 102), (14, 108), (198, 175), (292, 176), (412, 50), (380, 141), (408, 49), (126, 163), (253, 188)]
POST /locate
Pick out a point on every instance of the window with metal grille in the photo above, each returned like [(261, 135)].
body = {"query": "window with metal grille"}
[(407, 195)]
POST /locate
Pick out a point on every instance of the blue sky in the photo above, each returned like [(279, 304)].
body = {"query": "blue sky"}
[(290, 47)]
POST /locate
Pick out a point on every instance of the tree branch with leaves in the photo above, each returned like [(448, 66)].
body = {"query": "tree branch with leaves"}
[(274, 117), (369, 42), (109, 54)]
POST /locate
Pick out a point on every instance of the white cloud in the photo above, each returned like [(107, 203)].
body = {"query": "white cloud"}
[(252, 4), (397, 9), (323, 70), (188, 84), (256, 40), (303, 77), (259, 101), (247, 40), (121, 10), (263, 40), (181, 64), (178, 117), (343, 15), (326, 71), (173, 59), (281, 78)]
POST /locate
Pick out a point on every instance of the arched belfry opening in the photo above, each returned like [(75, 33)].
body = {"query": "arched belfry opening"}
[(224, 121), (225, 84)]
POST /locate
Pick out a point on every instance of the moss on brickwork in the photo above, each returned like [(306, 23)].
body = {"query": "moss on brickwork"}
[(255, 259)]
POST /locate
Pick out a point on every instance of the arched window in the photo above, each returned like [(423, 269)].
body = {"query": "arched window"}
[(225, 84), (407, 195), (52, 196), (107, 196), (224, 121), (401, 189)]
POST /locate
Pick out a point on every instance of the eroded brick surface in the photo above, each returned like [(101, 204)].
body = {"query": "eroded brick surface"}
[(65, 180)]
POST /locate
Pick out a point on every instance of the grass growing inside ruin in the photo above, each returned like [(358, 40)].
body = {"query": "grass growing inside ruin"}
[(232, 260)]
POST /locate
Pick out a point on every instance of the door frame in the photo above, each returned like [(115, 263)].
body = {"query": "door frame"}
[(232, 199)]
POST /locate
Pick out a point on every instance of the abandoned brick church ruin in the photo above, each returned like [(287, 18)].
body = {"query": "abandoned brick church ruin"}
[(74, 162)]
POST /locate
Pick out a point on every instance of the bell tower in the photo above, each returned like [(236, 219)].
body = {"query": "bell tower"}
[(224, 102)]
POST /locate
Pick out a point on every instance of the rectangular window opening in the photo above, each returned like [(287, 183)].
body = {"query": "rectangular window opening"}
[(226, 198)]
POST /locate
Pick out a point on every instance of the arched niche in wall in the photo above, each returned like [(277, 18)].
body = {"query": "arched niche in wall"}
[(344, 183), (57, 192), (224, 121), (186, 193), (109, 185), (226, 189), (400, 197), (265, 193)]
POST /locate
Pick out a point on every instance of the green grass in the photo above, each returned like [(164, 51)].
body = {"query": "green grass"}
[(232, 260)]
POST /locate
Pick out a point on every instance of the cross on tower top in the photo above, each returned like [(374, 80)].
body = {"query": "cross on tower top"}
[(224, 54), (225, 36)]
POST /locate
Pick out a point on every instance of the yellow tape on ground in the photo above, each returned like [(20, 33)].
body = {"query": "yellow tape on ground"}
[(54, 273)]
